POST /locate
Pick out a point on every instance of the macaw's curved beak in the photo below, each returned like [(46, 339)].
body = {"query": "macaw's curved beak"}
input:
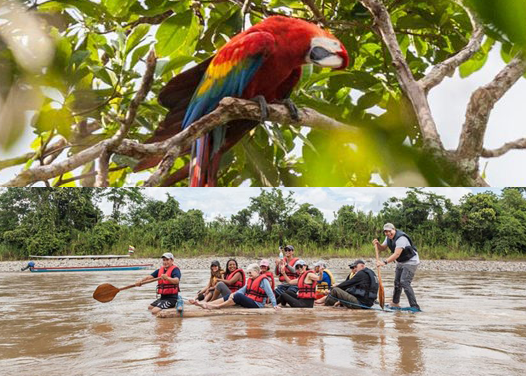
[(325, 58)]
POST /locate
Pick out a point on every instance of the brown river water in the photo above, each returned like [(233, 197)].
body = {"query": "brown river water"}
[(471, 324)]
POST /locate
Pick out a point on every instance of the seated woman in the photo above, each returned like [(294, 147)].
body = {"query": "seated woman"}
[(253, 295), (306, 283), (215, 273), (264, 266), (234, 280)]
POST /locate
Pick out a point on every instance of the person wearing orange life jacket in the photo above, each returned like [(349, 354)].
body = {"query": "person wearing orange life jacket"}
[(167, 285), (234, 280), (285, 267), (306, 282), (254, 294), (264, 266)]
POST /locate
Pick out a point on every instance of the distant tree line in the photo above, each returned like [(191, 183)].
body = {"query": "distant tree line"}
[(48, 221)]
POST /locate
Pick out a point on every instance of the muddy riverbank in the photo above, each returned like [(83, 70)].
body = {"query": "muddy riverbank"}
[(334, 263)]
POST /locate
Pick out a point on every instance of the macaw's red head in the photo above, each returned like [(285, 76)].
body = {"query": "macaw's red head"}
[(305, 42)]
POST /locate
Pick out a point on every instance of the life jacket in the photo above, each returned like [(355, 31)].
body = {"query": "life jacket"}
[(323, 286), (270, 278), (239, 284), (366, 294), (408, 251), (291, 275), (306, 291), (166, 287), (255, 290)]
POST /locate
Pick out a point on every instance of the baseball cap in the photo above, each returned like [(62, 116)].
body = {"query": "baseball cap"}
[(168, 255), (299, 262), (264, 262), (289, 248), (389, 227), (215, 263), (320, 263), (355, 263)]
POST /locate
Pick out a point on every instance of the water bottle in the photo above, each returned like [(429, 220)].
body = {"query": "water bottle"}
[(280, 253)]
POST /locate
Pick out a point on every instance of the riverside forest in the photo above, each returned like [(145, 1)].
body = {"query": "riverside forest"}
[(48, 221)]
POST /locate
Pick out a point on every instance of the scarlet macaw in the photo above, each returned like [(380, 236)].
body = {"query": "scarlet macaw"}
[(262, 62)]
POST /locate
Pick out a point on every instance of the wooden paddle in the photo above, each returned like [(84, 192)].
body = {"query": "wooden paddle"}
[(106, 292), (381, 293)]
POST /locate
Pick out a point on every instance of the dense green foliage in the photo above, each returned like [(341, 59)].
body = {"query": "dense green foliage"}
[(98, 49), (69, 221)]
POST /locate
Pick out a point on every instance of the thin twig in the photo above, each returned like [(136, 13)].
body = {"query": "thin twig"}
[(513, 145)]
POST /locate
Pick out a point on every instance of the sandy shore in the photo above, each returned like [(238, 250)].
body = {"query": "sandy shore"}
[(335, 263)]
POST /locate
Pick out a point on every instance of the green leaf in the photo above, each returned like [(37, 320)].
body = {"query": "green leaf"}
[(369, 100), (138, 54), (177, 33), (412, 22), (263, 167), (51, 118), (174, 64), (118, 8), (67, 175), (478, 60), (136, 37)]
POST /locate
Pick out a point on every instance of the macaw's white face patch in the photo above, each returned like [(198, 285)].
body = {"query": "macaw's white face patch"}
[(325, 52)]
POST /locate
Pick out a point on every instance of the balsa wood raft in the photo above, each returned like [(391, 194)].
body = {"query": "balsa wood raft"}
[(83, 257), (193, 311)]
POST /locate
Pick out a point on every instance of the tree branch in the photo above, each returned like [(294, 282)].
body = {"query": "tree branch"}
[(441, 70), (317, 13), (411, 88), (228, 109), (479, 108), (102, 174), (513, 145), (231, 109)]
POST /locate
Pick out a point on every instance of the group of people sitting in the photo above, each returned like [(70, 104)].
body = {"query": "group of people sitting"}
[(299, 286)]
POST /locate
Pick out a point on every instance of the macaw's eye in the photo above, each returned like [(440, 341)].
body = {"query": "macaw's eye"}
[(319, 53)]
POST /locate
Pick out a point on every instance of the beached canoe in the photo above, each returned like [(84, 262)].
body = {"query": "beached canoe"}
[(193, 311), (83, 257), (90, 268)]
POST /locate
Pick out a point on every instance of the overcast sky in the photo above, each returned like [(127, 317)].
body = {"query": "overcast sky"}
[(227, 201), (448, 103)]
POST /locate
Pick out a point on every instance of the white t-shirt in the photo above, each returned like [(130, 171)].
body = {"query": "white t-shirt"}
[(403, 242)]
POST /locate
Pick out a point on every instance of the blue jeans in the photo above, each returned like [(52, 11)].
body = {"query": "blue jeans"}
[(285, 287), (242, 300)]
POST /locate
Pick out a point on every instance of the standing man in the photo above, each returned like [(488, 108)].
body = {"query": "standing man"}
[(167, 285), (406, 256)]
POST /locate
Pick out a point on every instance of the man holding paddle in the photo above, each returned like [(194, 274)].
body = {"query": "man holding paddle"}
[(406, 256), (168, 277)]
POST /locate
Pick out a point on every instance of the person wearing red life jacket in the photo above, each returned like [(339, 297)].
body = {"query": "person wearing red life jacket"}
[(254, 294), (167, 285), (264, 266), (306, 281), (234, 280), (285, 267)]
